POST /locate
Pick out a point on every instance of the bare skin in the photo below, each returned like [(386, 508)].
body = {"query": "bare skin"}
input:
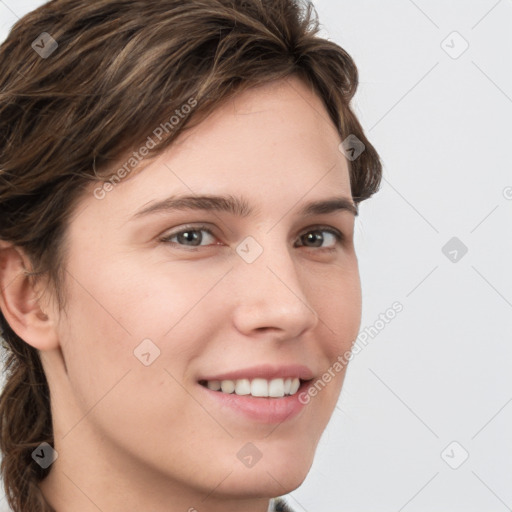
[(132, 437)]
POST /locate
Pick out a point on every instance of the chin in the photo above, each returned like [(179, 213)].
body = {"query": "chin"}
[(277, 475), (263, 485)]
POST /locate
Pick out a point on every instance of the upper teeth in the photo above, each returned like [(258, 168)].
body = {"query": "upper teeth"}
[(256, 387)]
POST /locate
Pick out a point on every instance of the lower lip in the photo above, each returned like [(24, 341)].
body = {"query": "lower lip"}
[(261, 409)]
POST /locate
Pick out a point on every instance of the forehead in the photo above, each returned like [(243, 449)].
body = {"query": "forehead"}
[(273, 139)]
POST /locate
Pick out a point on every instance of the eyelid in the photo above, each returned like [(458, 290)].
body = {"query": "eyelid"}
[(189, 227), (339, 235), (324, 227)]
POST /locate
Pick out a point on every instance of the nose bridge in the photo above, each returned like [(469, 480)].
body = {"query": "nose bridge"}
[(270, 290)]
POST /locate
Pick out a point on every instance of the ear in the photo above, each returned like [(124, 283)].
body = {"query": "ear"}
[(20, 303)]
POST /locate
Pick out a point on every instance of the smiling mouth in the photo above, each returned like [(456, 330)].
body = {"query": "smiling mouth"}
[(258, 388)]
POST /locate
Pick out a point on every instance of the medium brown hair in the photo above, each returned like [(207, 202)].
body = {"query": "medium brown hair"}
[(119, 70)]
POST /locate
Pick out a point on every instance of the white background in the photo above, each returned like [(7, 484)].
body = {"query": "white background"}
[(440, 371)]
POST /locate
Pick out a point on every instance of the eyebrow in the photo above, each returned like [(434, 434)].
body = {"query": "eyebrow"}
[(239, 207)]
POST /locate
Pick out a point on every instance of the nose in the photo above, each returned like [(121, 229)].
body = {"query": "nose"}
[(270, 296)]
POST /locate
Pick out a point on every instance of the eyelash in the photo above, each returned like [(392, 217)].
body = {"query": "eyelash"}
[(337, 234)]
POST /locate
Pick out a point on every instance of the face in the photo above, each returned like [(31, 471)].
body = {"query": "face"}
[(161, 299)]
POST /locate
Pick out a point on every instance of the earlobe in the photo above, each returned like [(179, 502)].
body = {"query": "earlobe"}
[(19, 301)]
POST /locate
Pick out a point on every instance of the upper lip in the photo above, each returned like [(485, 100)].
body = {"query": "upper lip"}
[(265, 371)]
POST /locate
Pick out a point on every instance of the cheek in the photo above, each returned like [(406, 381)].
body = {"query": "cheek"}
[(157, 297), (340, 308), (135, 300), (337, 300), (102, 328), (95, 347), (112, 310)]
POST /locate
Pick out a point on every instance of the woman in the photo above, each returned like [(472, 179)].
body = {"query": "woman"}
[(178, 188)]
